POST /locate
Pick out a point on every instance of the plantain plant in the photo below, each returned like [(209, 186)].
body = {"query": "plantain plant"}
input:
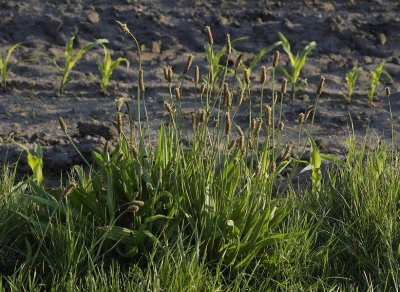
[(351, 79), (5, 67), (107, 67), (297, 63), (71, 60)]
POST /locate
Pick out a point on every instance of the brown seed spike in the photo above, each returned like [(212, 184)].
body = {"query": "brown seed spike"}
[(253, 124), (133, 208), (194, 119), (141, 80), (301, 118), (241, 96), (196, 74), (229, 100), (387, 91), (263, 75), (258, 126), (247, 76), (268, 116), (188, 64), (273, 166), (281, 125), (228, 124), (284, 86), (138, 203), (226, 94), (63, 125), (124, 28), (178, 93), (169, 108), (276, 59), (209, 36), (119, 103), (202, 116), (238, 62), (287, 152), (169, 75), (165, 70), (320, 85), (228, 44)]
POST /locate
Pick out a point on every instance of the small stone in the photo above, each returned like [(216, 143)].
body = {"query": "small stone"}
[(51, 25), (305, 97), (382, 39), (93, 17), (396, 60), (327, 7), (288, 24), (91, 129), (156, 47), (367, 60)]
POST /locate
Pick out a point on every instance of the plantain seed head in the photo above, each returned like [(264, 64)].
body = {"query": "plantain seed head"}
[(209, 36)]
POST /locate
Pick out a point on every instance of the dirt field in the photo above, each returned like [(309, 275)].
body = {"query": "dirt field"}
[(364, 33)]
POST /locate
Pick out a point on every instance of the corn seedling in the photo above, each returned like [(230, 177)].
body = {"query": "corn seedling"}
[(351, 79), (5, 67), (71, 60), (297, 63), (35, 161), (375, 80), (107, 67), (315, 166)]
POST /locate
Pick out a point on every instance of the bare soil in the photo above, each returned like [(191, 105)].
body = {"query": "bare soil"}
[(362, 33)]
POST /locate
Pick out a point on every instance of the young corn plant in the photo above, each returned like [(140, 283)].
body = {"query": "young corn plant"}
[(5, 67), (107, 67), (71, 59), (375, 80), (35, 161), (297, 63), (351, 79)]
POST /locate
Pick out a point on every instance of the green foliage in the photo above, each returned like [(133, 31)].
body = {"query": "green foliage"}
[(71, 59), (351, 79), (375, 80), (107, 66), (5, 67), (315, 166), (35, 161), (297, 63)]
